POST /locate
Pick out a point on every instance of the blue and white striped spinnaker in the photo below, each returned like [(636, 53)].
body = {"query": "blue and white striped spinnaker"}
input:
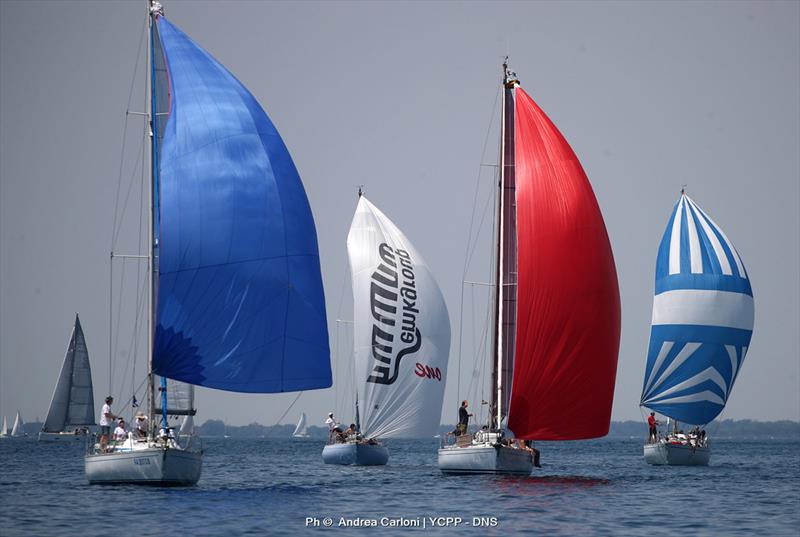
[(702, 319)]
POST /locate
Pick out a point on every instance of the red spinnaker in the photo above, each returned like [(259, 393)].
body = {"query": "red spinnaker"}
[(568, 310)]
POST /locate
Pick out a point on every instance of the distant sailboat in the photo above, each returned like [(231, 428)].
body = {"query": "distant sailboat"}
[(402, 340), (4, 431), (703, 314), (71, 410), (556, 303), (301, 431), (16, 430), (235, 296)]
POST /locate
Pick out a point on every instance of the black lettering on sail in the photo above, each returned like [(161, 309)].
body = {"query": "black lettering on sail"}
[(388, 278), (378, 291), (381, 373)]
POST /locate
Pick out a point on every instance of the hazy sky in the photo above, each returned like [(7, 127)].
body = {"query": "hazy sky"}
[(398, 96)]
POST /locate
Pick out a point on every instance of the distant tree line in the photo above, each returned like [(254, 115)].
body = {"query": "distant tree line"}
[(784, 429)]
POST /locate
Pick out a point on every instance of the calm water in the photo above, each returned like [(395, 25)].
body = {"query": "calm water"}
[(256, 487)]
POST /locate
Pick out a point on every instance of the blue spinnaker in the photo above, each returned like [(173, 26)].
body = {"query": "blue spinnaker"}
[(240, 302), (703, 315)]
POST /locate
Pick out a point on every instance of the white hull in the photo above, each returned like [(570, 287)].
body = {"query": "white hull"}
[(356, 454), (663, 453), (485, 459), (62, 437), (154, 465)]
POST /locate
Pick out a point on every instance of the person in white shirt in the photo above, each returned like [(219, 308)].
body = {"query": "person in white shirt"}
[(106, 419), (333, 426), (141, 425), (120, 434)]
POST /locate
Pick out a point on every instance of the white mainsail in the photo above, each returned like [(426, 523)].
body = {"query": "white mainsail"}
[(73, 399), (300, 430), (402, 330), (180, 398), (4, 431), (17, 429), (187, 427)]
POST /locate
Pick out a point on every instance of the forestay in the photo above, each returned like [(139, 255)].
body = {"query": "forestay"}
[(703, 314), (402, 330)]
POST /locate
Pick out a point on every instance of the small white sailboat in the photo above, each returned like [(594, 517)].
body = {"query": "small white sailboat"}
[(71, 411), (16, 430), (401, 341), (301, 431), (235, 297), (556, 322), (4, 430), (703, 314)]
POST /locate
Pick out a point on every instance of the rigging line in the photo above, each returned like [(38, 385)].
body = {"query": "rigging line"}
[(119, 220), (140, 283), (337, 365), (116, 335), (283, 416), (128, 402), (133, 345), (469, 240), (125, 132)]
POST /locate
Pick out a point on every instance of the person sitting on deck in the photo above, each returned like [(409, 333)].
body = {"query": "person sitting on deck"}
[(120, 434), (534, 451), (141, 426), (350, 431)]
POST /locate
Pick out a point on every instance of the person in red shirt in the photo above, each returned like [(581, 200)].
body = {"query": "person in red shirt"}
[(652, 422)]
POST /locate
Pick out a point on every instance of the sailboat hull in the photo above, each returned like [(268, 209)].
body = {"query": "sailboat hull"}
[(63, 437), (664, 453), (355, 454), (485, 459), (151, 466)]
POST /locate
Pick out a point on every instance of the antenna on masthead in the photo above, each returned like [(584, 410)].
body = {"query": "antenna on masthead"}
[(509, 77)]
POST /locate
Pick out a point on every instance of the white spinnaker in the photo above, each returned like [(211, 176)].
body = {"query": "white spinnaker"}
[(402, 330)]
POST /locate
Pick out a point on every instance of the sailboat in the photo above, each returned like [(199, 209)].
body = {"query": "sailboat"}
[(4, 430), (401, 340), (235, 296), (703, 314), (16, 430), (71, 410), (301, 431), (556, 303)]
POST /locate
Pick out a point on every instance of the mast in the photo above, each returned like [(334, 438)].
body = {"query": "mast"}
[(505, 305), (154, 9)]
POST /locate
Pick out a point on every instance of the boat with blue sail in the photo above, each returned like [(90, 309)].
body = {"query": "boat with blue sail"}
[(235, 295), (702, 324)]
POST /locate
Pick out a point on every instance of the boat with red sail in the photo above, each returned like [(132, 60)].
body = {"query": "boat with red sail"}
[(556, 319)]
